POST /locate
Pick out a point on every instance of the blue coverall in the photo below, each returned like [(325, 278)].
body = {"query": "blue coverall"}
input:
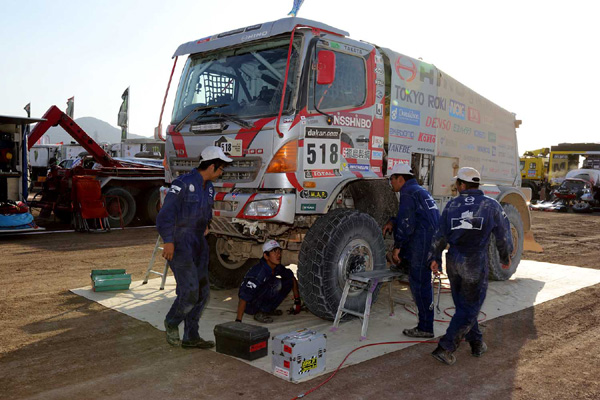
[(466, 224), (182, 220), (415, 224), (263, 290)]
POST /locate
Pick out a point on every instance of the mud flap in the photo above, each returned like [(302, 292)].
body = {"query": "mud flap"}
[(529, 243)]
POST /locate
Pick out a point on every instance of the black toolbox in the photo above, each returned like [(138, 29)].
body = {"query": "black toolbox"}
[(242, 340)]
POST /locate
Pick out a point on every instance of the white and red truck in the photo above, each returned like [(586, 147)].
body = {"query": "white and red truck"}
[(314, 121)]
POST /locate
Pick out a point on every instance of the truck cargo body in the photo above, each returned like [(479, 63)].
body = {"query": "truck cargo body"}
[(324, 150)]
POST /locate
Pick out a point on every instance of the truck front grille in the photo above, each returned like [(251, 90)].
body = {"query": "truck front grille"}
[(240, 170)]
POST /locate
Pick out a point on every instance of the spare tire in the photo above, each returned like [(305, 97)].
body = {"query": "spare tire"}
[(118, 197), (496, 272), (339, 243), (582, 207)]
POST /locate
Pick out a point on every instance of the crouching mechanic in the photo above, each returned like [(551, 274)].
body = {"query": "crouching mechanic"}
[(414, 226), (183, 224), (466, 224), (266, 285)]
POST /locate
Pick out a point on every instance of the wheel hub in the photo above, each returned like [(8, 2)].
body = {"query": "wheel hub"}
[(355, 257)]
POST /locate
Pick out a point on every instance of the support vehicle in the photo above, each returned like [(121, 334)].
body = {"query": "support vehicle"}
[(534, 170), (314, 121), (131, 189)]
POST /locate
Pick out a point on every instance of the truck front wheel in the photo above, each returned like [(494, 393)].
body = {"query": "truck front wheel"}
[(496, 272), (342, 242), (224, 273)]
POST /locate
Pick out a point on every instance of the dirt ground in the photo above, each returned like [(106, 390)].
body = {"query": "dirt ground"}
[(56, 345)]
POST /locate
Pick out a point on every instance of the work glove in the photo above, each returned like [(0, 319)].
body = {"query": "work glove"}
[(297, 307)]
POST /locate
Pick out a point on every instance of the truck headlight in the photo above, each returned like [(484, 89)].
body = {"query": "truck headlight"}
[(262, 208)]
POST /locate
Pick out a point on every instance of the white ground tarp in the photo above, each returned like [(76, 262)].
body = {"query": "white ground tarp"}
[(534, 283)]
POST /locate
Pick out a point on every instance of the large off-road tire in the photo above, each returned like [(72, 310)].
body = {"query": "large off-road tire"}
[(116, 196), (341, 242), (376, 198), (582, 207), (496, 272), (148, 204), (223, 273)]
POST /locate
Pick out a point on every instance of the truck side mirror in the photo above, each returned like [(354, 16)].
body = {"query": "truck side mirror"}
[(325, 67)]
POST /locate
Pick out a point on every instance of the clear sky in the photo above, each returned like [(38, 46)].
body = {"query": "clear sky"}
[(538, 59)]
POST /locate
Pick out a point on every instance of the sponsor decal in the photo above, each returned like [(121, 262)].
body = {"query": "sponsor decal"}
[(232, 147), (308, 207), (436, 102), (352, 49), (174, 189), (351, 152), (494, 151), (399, 148), (253, 151), (448, 142), (479, 134), (203, 40), (376, 155), (426, 137), (461, 129), (352, 120), (403, 133), (473, 115), (376, 169), (379, 110), (467, 221), (483, 149), (406, 115), (410, 96), (314, 194), (438, 123), (378, 60), (258, 346), (322, 173), (457, 110), (308, 364), (377, 142), (288, 120), (322, 148), (379, 82), (406, 69), (358, 167), (281, 372), (491, 137), (469, 146), (253, 36), (394, 161), (379, 70), (379, 94)]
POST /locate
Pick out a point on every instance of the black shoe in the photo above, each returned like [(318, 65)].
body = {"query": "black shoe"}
[(443, 355), (478, 347), (172, 334), (198, 344), (417, 333), (262, 317)]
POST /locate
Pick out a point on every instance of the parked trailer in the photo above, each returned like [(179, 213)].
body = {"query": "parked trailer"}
[(315, 121), (131, 187)]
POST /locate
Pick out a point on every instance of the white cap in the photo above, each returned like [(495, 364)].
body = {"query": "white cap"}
[(212, 152), (270, 245), (468, 174), (401, 169)]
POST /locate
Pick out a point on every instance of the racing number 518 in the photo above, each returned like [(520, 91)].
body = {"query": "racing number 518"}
[(312, 153)]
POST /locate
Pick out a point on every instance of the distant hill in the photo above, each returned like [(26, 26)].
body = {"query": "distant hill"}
[(98, 130)]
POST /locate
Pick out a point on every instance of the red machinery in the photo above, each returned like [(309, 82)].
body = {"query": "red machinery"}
[(132, 187)]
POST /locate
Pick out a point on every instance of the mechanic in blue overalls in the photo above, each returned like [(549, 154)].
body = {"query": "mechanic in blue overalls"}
[(466, 225), (414, 226), (266, 285), (183, 224)]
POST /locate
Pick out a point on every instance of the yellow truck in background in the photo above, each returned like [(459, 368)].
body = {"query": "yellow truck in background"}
[(534, 170)]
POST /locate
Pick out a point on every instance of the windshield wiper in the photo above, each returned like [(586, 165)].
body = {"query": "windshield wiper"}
[(228, 117), (194, 110)]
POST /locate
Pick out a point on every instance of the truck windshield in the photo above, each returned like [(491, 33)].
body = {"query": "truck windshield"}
[(247, 81)]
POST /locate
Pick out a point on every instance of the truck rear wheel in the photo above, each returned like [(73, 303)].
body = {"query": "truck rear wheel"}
[(116, 197), (496, 272), (148, 204), (224, 273), (339, 243)]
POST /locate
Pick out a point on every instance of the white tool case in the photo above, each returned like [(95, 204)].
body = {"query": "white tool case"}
[(299, 354)]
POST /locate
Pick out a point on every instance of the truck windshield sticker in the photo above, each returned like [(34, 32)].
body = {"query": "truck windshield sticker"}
[(322, 148)]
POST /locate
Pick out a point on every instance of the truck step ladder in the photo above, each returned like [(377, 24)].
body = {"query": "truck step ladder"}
[(150, 270), (368, 281)]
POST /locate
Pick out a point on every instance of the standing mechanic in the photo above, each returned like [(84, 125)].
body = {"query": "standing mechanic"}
[(466, 224), (261, 291), (414, 226), (183, 224)]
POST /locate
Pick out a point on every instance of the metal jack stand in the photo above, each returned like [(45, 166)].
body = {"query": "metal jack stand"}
[(367, 281), (150, 270)]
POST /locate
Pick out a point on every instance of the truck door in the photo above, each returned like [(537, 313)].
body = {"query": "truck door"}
[(349, 104)]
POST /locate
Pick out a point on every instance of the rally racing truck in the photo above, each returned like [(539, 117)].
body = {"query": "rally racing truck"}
[(314, 122)]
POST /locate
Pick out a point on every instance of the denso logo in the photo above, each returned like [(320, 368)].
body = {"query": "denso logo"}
[(426, 137), (352, 120), (406, 69), (457, 110), (438, 123)]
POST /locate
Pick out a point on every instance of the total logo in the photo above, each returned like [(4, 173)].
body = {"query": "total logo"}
[(406, 69)]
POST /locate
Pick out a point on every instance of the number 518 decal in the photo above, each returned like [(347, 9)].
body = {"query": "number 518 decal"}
[(322, 148)]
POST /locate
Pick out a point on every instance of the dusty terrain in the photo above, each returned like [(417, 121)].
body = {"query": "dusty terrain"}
[(56, 345)]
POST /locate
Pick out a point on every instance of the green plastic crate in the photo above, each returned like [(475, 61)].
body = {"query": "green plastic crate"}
[(104, 280)]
